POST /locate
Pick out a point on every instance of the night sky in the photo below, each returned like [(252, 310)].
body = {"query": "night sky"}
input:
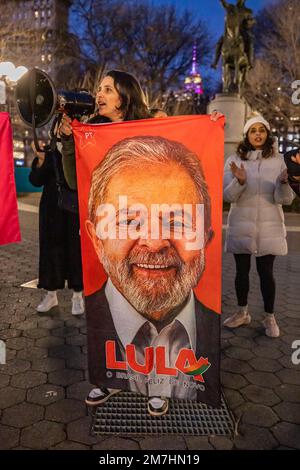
[(212, 11), (213, 14)]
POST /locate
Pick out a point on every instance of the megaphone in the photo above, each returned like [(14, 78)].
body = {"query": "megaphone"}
[(37, 100)]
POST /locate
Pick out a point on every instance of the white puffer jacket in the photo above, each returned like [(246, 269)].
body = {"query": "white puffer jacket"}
[(256, 219)]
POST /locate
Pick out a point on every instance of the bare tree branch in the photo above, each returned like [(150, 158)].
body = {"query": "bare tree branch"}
[(154, 42), (269, 87)]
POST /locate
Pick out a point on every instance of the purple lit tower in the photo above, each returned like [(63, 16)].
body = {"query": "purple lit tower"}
[(193, 82)]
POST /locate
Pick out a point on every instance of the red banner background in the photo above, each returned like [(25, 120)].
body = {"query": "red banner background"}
[(198, 133)]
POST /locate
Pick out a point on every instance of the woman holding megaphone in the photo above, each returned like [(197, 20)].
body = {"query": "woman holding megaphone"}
[(119, 98)]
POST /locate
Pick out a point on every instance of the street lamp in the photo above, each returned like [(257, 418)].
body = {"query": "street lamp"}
[(9, 75), (13, 73)]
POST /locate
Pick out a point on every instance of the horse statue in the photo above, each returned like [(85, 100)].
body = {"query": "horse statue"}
[(235, 46)]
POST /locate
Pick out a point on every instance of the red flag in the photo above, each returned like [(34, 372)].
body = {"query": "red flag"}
[(9, 220), (150, 196)]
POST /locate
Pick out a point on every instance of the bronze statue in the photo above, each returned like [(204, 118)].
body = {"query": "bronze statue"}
[(236, 46)]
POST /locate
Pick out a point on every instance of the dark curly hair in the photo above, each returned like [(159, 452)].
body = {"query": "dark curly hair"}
[(267, 151)]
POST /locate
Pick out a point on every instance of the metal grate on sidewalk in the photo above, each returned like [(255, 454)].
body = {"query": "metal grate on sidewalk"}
[(126, 413)]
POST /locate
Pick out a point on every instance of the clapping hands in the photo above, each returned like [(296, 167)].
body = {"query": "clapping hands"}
[(239, 172)]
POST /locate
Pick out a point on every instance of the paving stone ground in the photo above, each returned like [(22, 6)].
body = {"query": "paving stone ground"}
[(44, 382)]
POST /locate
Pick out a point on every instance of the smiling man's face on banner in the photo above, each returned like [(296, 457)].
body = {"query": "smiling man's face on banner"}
[(153, 250)]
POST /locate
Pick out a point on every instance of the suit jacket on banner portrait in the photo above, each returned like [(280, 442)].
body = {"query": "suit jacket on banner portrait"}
[(101, 329), (150, 203)]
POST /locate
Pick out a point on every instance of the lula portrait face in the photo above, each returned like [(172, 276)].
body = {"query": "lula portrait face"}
[(108, 99), (257, 135), (154, 275)]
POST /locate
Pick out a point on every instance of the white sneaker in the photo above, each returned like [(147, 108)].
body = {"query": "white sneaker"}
[(49, 301), (97, 396), (272, 329), (77, 304), (158, 406), (237, 319)]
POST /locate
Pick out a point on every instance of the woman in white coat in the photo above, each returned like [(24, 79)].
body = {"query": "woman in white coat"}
[(255, 183)]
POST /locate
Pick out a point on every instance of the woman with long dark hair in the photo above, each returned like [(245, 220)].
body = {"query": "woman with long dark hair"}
[(255, 183), (119, 98)]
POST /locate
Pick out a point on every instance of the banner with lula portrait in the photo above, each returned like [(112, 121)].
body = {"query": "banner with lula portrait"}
[(150, 198)]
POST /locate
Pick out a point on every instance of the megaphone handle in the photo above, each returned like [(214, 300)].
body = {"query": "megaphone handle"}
[(36, 142), (32, 104), (53, 134)]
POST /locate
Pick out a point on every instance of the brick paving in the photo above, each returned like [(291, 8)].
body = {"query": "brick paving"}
[(43, 384)]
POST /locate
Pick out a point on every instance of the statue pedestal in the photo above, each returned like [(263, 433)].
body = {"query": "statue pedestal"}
[(236, 111)]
